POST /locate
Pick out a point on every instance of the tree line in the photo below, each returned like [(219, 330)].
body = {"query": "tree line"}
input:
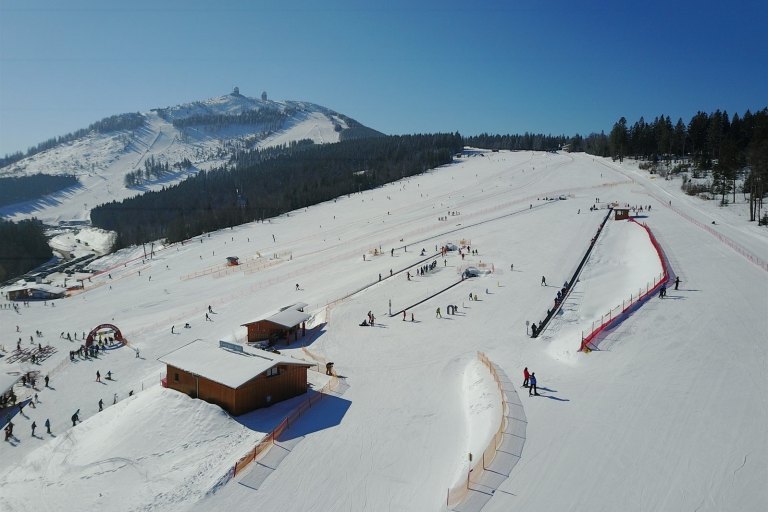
[(23, 246), (130, 121), (24, 188), (263, 188), (273, 118), (517, 142), (729, 146)]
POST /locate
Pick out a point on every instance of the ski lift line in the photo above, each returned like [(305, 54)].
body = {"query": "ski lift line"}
[(479, 223), (574, 277), (427, 298)]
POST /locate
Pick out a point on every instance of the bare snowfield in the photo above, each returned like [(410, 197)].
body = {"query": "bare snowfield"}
[(669, 414)]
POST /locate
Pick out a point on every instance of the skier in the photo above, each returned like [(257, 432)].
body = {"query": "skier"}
[(109, 375), (662, 291), (532, 385), (46, 381), (677, 282), (297, 286), (137, 353), (114, 399), (543, 281), (526, 376), (48, 425), (98, 376), (403, 315), (207, 318), (437, 313), (329, 368), (101, 405), (172, 328), (76, 417), (34, 426)]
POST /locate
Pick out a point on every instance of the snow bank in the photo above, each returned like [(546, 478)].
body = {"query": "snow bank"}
[(165, 450), (482, 400), (622, 262)]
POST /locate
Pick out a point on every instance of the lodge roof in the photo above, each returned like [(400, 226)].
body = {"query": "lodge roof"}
[(40, 287), (7, 380), (288, 317), (232, 368)]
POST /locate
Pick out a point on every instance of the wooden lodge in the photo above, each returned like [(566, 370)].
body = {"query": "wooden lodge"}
[(237, 378), (289, 321), (34, 291), (621, 213)]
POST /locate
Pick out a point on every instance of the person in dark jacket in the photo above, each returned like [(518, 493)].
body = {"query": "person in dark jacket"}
[(532, 385), (677, 282)]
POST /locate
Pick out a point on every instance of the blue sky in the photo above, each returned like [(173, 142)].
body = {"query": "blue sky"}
[(397, 66)]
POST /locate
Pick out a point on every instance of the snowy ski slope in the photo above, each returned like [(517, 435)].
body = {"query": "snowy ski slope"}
[(669, 415)]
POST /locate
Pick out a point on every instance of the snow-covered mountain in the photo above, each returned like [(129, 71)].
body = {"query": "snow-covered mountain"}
[(204, 134)]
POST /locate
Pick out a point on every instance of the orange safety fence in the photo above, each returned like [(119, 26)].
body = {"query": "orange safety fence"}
[(628, 305), (458, 492)]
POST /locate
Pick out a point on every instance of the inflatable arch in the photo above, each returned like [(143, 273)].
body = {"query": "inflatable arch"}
[(118, 336)]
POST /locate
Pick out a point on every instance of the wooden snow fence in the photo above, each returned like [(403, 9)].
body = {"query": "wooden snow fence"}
[(269, 439), (460, 491)]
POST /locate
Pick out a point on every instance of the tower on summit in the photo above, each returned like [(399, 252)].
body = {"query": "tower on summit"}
[(264, 96), (236, 91)]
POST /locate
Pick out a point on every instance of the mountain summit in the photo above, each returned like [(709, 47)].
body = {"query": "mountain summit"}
[(126, 154)]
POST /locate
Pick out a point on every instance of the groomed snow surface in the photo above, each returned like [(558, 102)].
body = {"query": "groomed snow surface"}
[(668, 414)]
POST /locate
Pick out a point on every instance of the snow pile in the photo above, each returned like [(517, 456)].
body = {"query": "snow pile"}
[(159, 448), (484, 410), (622, 262), (83, 241)]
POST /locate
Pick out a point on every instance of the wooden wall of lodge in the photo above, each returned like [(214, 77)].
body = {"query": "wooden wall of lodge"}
[(264, 330), (291, 381), (621, 214)]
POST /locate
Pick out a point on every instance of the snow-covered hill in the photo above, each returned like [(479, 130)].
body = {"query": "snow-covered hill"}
[(668, 414), (206, 134)]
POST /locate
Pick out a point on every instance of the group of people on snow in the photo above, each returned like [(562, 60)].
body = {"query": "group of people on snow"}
[(529, 381)]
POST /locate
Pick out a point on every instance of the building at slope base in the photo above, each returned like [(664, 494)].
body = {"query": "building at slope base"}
[(237, 378)]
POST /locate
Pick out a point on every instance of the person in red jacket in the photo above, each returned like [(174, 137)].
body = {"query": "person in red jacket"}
[(526, 376)]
